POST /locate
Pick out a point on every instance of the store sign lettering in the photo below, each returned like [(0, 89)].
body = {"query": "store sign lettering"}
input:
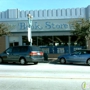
[(22, 26), (47, 25), (50, 25)]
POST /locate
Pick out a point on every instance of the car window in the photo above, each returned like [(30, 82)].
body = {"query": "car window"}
[(84, 52), (77, 52), (9, 50), (35, 48), (16, 49), (23, 49), (88, 52)]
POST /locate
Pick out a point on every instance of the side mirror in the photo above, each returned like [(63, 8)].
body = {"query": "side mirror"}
[(7, 53)]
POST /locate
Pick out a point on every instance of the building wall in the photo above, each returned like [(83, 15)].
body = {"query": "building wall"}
[(2, 44), (44, 14), (16, 15)]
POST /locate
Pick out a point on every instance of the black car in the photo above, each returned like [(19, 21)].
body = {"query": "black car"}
[(22, 54)]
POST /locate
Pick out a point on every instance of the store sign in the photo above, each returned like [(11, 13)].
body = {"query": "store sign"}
[(44, 26)]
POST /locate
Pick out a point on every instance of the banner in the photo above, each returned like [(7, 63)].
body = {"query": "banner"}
[(29, 35)]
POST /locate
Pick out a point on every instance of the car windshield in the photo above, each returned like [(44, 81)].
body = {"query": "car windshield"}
[(77, 52)]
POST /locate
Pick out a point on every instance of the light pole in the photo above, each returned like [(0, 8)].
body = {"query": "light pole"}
[(30, 17)]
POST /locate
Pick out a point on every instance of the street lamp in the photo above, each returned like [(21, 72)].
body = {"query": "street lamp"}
[(30, 17)]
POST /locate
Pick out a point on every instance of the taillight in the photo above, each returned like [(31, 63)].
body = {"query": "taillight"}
[(36, 53), (33, 53), (41, 53)]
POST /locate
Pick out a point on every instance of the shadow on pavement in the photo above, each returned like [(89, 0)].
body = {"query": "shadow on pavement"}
[(56, 62), (16, 64), (50, 61)]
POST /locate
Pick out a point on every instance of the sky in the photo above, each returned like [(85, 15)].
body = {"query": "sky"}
[(42, 4)]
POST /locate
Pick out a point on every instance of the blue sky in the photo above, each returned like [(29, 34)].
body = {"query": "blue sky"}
[(42, 4)]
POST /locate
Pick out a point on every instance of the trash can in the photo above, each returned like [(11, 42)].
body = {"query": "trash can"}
[(45, 56)]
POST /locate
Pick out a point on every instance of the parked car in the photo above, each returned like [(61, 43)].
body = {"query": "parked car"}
[(22, 54), (79, 56)]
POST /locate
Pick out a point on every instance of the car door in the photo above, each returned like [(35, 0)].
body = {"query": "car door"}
[(78, 56), (15, 53), (75, 56), (83, 56), (7, 54)]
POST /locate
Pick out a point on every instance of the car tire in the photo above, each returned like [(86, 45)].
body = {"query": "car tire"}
[(88, 61), (1, 60), (62, 61), (22, 61), (35, 63)]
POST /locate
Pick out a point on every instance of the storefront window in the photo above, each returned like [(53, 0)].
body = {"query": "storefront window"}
[(25, 40), (53, 41)]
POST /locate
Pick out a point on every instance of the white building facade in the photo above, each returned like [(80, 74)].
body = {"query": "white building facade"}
[(49, 27)]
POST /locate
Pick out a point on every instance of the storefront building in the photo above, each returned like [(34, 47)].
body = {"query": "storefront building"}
[(51, 29)]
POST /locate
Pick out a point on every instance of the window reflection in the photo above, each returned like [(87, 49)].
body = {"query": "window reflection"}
[(53, 41)]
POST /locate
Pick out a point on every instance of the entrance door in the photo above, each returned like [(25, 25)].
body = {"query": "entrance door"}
[(14, 44)]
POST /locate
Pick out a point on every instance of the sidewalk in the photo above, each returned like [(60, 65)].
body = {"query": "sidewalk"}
[(50, 60)]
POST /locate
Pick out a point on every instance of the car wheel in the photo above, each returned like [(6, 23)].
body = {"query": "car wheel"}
[(88, 62), (35, 62), (1, 60), (22, 61), (62, 61)]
